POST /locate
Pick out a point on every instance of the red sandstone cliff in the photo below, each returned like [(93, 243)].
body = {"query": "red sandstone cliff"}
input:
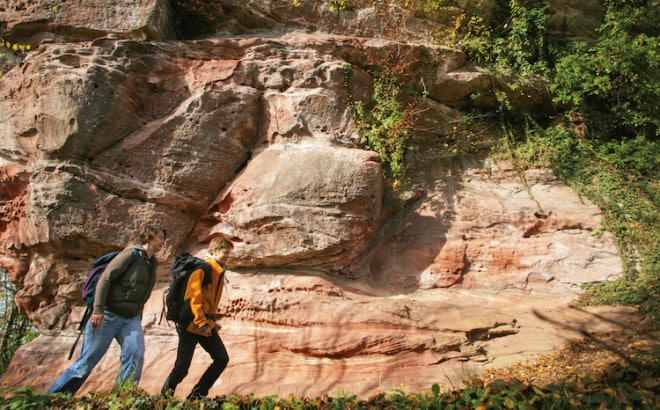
[(111, 122)]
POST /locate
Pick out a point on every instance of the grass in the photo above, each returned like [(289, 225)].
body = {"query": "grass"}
[(618, 387)]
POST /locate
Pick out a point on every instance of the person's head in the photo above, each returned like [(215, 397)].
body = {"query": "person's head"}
[(220, 248), (153, 237)]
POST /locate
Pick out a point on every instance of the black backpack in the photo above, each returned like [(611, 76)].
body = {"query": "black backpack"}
[(176, 309)]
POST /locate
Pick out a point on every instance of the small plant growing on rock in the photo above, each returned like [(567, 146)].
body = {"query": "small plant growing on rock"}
[(385, 124), (15, 47)]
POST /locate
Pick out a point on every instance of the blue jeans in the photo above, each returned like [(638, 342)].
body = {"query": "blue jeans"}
[(128, 333)]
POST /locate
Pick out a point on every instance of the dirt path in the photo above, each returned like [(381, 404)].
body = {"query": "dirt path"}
[(634, 346)]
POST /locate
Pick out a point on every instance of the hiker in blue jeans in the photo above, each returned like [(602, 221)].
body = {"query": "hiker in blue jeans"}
[(121, 293)]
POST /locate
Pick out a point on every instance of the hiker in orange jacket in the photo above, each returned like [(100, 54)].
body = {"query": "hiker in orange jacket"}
[(203, 328)]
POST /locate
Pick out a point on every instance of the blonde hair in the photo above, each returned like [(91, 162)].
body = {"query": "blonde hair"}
[(220, 243)]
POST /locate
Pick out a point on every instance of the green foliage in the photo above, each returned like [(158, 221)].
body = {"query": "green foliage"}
[(15, 329), (16, 47), (513, 45), (629, 198), (24, 398), (472, 35), (515, 49), (617, 388), (385, 124), (521, 45), (333, 5), (612, 156), (621, 177), (638, 155), (124, 397), (606, 144), (614, 84), (384, 127)]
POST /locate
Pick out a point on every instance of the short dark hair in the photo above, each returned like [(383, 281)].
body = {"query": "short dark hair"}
[(150, 232)]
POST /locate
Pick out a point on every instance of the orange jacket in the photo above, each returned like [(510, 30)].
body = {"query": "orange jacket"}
[(204, 302)]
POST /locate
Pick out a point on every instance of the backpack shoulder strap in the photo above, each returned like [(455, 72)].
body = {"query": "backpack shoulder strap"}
[(136, 256), (134, 259), (208, 273), (81, 329)]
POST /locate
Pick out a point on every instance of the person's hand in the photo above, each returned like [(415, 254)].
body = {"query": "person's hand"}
[(96, 320), (206, 330)]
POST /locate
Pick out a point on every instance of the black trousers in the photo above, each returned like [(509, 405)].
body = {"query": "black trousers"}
[(184, 354)]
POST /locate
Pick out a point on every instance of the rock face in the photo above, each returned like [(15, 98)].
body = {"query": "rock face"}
[(336, 285)]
